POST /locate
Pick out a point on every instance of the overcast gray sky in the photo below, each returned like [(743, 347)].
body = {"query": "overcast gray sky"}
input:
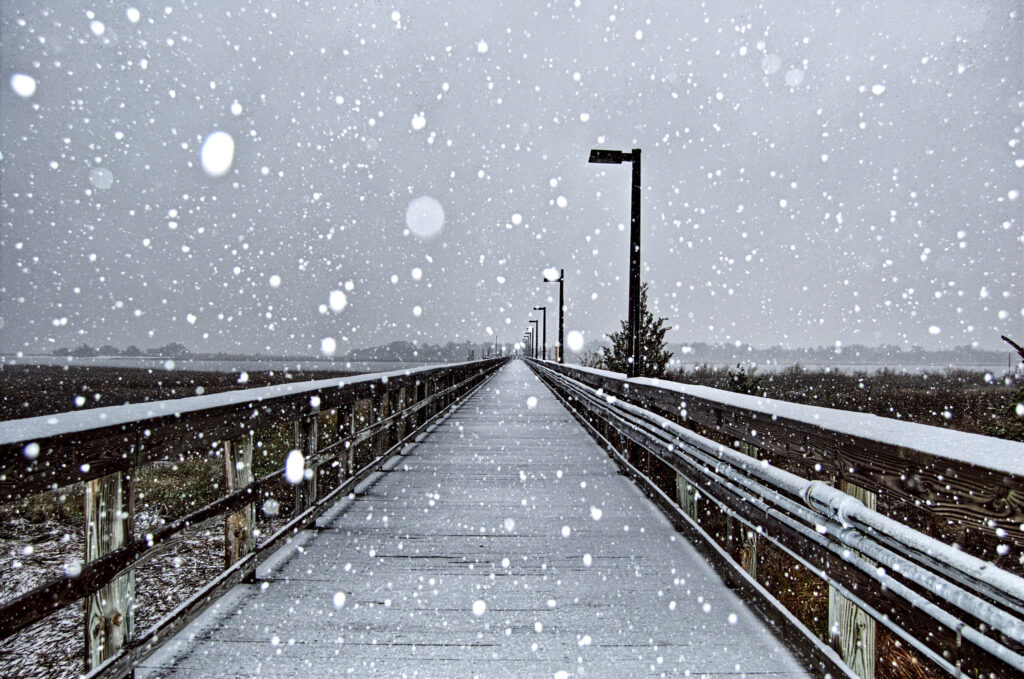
[(813, 171)]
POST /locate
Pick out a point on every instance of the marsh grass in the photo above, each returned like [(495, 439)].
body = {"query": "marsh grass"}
[(964, 400)]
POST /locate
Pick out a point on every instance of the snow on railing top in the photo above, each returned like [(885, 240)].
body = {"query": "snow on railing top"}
[(44, 426), (985, 451)]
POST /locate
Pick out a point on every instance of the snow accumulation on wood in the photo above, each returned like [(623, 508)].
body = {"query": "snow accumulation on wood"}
[(35, 428), (984, 451)]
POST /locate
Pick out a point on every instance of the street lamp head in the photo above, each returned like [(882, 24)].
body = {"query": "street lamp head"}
[(551, 275), (539, 308), (608, 156)]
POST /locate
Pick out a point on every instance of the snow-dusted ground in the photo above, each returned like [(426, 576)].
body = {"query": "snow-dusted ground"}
[(505, 544), (53, 647)]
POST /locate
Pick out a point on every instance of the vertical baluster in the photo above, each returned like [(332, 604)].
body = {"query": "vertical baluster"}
[(109, 613), (309, 451), (344, 429), (380, 404), (306, 443), (401, 428), (686, 496), (748, 538), (853, 631), (238, 527)]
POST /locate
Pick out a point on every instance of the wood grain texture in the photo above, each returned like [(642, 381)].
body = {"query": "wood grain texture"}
[(853, 632), (239, 525), (109, 612)]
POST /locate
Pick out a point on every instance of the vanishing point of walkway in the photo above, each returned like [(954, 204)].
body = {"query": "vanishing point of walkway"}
[(505, 544)]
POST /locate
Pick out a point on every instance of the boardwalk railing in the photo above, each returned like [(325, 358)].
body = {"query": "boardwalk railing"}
[(371, 418), (804, 482)]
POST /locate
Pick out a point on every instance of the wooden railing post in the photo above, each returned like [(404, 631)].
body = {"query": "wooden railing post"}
[(852, 630), (238, 527), (362, 418), (109, 613), (344, 425), (386, 408), (401, 428), (376, 415), (686, 496), (430, 388), (747, 537), (419, 393), (306, 442)]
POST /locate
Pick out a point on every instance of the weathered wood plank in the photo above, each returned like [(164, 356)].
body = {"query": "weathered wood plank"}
[(306, 443), (110, 612), (853, 631), (238, 526)]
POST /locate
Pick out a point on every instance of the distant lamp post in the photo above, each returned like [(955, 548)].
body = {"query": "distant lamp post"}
[(617, 158), (536, 337), (549, 277), (544, 331)]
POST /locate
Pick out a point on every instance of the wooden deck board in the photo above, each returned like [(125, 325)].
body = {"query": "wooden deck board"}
[(478, 512)]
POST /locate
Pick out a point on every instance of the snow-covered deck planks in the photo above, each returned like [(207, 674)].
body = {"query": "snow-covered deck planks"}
[(509, 503)]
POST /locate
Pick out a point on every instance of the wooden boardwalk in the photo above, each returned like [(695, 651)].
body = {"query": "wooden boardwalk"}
[(506, 543)]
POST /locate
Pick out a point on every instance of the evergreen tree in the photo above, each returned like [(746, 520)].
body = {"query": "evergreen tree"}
[(653, 354)]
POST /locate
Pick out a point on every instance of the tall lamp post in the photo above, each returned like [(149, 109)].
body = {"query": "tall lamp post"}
[(536, 336), (617, 158), (560, 347), (544, 331)]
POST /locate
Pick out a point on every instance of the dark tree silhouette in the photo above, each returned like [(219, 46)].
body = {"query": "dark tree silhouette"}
[(653, 354)]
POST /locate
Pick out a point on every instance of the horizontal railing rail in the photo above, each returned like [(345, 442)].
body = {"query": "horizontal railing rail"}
[(47, 452), (962, 613), (375, 415), (970, 486)]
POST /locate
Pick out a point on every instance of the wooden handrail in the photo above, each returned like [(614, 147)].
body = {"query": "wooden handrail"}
[(976, 482), (40, 454), (51, 451), (960, 612)]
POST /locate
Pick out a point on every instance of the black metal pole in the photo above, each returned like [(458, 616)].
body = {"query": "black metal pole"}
[(634, 268), (560, 346), (561, 318), (544, 331), (536, 336)]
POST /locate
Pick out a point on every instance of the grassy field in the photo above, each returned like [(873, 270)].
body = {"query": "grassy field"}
[(30, 391), (956, 399)]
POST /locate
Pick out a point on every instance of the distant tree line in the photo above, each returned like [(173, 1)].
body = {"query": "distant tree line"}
[(402, 351), (173, 349)]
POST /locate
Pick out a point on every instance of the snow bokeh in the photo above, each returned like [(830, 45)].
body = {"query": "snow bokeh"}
[(796, 168)]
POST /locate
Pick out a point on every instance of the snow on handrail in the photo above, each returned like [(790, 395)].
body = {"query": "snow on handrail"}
[(72, 422), (887, 551), (986, 451)]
